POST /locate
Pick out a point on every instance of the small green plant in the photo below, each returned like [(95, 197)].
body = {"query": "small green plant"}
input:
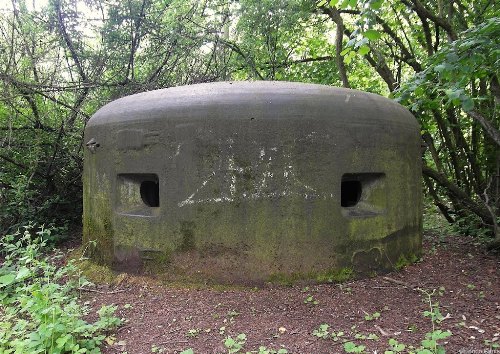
[(193, 333), (441, 291), (395, 347), (350, 347), (372, 316), (401, 263), (234, 345), (187, 351), (431, 344), (337, 336), (434, 313), (431, 341), (492, 345), (157, 349), (310, 300), (232, 315), (322, 331)]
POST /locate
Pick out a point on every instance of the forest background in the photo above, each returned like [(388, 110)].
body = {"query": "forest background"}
[(61, 60)]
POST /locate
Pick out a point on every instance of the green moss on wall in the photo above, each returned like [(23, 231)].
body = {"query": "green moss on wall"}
[(96, 273), (156, 262), (333, 275), (97, 220), (405, 261), (187, 230)]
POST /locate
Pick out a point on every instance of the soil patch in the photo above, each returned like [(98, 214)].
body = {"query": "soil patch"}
[(463, 278)]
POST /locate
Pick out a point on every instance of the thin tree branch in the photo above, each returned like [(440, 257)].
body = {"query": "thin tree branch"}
[(68, 41), (423, 11), (334, 14), (453, 190), (488, 127)]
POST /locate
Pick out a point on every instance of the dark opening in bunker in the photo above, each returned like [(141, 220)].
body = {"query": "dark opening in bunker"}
[(138, 194), (350, 193), (150, 193), (363, 194)]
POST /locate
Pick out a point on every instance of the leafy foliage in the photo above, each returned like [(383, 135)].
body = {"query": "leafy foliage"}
[(39, 307), (60, 63), (448, 78)]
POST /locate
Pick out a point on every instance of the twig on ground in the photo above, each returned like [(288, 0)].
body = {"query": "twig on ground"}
[(381, 330), (402, 283), (102, 292), (174, 341)]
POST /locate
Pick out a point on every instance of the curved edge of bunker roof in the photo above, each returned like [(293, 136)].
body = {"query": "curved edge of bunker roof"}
[(147, 104)]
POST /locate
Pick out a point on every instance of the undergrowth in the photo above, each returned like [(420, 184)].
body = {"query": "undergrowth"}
[(39, 307), (354, 341)]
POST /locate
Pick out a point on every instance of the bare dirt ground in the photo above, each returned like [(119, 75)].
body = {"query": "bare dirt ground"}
[(169, 319)]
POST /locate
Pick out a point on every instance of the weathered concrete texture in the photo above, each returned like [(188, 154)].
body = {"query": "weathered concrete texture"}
[(250, 181)]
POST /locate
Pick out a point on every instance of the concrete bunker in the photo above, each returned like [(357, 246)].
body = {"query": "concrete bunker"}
[(247, 182)]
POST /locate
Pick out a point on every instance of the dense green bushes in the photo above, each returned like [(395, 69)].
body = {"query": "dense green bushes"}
[(40, 311)]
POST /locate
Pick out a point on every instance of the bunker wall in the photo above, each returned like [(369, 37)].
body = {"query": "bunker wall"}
[(253, 201)]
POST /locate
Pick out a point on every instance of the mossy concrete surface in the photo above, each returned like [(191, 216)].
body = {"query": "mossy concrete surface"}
[(249, 179)]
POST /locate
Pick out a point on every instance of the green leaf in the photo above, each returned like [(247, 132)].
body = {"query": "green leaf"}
[(400, 347), (439, 334), (372, 34), (345, 51), (321, 3), (452, 94), (429, 343), (188, 351), (333, 2), (23, 273), (7, 279), (376, 4), (345, 4), (425, 351), (61, 341), (348, 58), (467, 104), (350, 347), (439, 68)]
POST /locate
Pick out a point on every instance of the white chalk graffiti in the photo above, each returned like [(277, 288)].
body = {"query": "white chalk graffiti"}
[(273, 176)]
